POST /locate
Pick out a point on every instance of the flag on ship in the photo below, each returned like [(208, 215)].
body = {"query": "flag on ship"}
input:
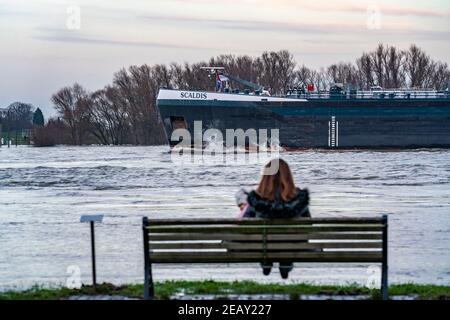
[(218, 82)]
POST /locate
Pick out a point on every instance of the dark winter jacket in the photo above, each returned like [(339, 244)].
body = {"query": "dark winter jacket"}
[(278, 209)]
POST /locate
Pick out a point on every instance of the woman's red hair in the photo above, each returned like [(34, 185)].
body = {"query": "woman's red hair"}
[(281, 179)]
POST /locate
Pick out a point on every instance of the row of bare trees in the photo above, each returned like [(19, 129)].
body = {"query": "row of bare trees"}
[(121, 113), (386, 66), (125, 112), (390, 67)]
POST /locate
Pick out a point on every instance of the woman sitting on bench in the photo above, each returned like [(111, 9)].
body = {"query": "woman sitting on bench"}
[(276, 197)]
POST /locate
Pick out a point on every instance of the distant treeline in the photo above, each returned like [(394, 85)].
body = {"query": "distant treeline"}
[(124, 112), (18, 121)]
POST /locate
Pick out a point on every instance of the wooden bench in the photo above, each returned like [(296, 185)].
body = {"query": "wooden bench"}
[(327, 240)]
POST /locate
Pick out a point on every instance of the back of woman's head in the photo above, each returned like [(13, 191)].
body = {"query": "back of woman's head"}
[(277, 177)]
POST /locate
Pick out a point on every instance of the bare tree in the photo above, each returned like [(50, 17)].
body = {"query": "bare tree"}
[(384, 66), (119, 115), (139, 89), (438, 76), (378, 58), (276, 70), (302, 76), (72, 104), (285, 69), (366, 71), (345, 73), (416, 67), (161, 75), (266, 64), (394, 61), (320, 79), (108, 116), (19, 115), (177, 76)]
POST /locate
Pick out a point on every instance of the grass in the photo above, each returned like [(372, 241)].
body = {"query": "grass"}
[(166, 289)]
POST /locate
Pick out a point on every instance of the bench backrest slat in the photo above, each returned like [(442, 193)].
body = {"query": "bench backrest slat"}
[(258, 229), (232, 221), (269, 237), (236, 245)]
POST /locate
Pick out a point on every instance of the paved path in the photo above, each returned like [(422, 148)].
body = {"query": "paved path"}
[(243, 297), (100, 297)]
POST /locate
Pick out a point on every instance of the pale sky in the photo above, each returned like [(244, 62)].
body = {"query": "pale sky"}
[(43, 48)]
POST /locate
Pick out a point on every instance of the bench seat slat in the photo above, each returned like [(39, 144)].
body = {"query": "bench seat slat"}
[(270, 237), (260, 246), (216, 257)]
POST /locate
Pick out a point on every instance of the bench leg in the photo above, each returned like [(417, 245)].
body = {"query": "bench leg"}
[(149, 291), (384, 282), (384, 266), (148, 278)]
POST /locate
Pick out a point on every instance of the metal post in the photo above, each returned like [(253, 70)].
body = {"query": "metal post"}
[(148, 279), (94, 275), (384, 271), (92, 219)]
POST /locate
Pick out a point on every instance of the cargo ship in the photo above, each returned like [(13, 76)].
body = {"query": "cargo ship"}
[(337, 119)]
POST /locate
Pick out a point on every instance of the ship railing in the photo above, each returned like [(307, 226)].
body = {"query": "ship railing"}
[(386, 94)]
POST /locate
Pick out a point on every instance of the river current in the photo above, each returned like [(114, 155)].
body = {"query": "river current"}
[(43, 192)]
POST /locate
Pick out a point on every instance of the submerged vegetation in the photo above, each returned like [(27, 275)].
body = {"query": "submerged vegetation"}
[(167, 289)]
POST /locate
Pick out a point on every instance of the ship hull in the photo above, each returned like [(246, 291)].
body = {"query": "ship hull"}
[(322, 123)]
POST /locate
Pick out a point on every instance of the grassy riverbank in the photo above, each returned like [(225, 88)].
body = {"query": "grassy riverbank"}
[(166, 289)]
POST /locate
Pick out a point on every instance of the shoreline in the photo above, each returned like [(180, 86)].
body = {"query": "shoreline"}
[(176, 290)]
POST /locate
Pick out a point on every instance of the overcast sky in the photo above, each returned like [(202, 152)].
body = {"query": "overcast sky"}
[(44, 46)]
